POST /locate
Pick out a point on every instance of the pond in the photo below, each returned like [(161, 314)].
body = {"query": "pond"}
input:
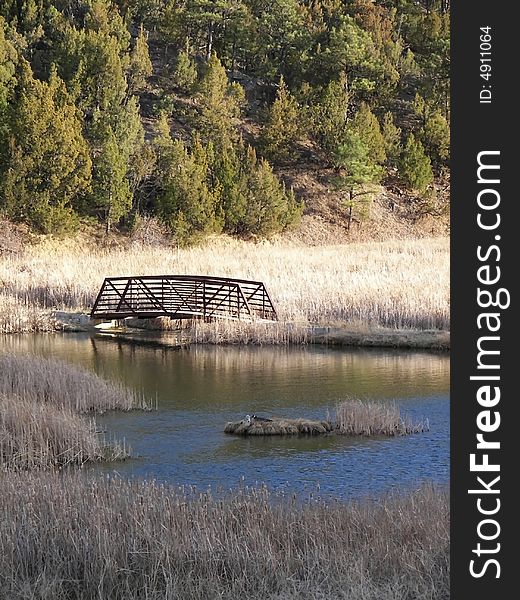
[(199, 389)]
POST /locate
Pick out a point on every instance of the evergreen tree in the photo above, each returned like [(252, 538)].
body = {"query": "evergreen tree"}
[(358, 171), (270, 208), (140, 66), (185, 72), (111, 188), (329, 116), (281, 128), (436, 137), (392, 139), (8, 61), (220, 103), (186, 204), (415, 167), (48, 165), (366, 125)]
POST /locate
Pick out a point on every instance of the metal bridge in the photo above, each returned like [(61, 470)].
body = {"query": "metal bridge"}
[(183, 297)]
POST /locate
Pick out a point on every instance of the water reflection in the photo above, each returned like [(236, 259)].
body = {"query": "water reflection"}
[(200, 388)]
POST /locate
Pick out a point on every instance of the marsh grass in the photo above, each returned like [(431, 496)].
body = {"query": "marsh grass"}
[(75, 538), (34, 435), (394, 284), (279, 426), (360, 417), (19, 315), (63, 385)]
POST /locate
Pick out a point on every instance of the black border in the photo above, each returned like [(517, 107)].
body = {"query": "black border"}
[(477, 127)]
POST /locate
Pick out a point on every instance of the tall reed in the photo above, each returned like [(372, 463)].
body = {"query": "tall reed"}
[(362, 417), (63, 385), (396, 284), (75, 538), (41, 436)]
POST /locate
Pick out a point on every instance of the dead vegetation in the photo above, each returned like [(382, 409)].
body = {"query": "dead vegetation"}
[(278, 426), (352, 417), (367, 418), (70, 537), (397, 285), (63, 385), (35, 436)]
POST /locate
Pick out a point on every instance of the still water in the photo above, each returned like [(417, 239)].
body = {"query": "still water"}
[(198, 390)]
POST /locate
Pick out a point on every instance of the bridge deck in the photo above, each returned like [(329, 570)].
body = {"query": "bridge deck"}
[(183, 297)]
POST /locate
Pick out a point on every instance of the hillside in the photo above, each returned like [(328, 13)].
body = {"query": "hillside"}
[(318, 121)]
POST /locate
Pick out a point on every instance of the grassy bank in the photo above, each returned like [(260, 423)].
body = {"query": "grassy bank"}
[(73, 538), (398, 285), (63, 385), (34, 435), (42, 403)]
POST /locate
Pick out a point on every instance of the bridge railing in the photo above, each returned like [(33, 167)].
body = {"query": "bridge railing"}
[(183, 297)]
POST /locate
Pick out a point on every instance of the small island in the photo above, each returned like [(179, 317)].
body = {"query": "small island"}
[(353, 417)]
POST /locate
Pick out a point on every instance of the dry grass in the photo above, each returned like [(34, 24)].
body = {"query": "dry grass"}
[(395, 284), (19, 315), (279, 427), (63, 385), (41, 436), (356, 417), (72, 538)]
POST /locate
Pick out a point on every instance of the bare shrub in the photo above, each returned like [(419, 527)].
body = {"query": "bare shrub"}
[(72, 538)]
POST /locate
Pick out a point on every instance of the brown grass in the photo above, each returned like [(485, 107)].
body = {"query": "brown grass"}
[(72, 538), (63, 385), (279, 427), (41, 436), (394, 284), (19, 315), (356, 417)]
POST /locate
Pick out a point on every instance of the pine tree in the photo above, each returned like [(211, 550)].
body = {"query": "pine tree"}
[(366, 125), (436, 137), (220, 103), (186, 203), (392, 139), (185, 72), (111, 188), (8, 61), (281, 128), (48, 165), (415, 167), (330, 115), (359, 171), (270, 208), (140, 66)]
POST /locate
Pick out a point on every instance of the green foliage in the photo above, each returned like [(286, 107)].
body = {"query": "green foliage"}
[(270, 208), (74, 77), (329, 115), (220, 103), (436, 137), (282, 126), (415, 167), (392, 139), (47, 163), (366, 125), (185, 73), (187, 203), (140, 66), (358, 171)]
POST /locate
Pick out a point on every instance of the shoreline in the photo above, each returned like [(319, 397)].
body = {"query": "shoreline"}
[(342, 337)]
